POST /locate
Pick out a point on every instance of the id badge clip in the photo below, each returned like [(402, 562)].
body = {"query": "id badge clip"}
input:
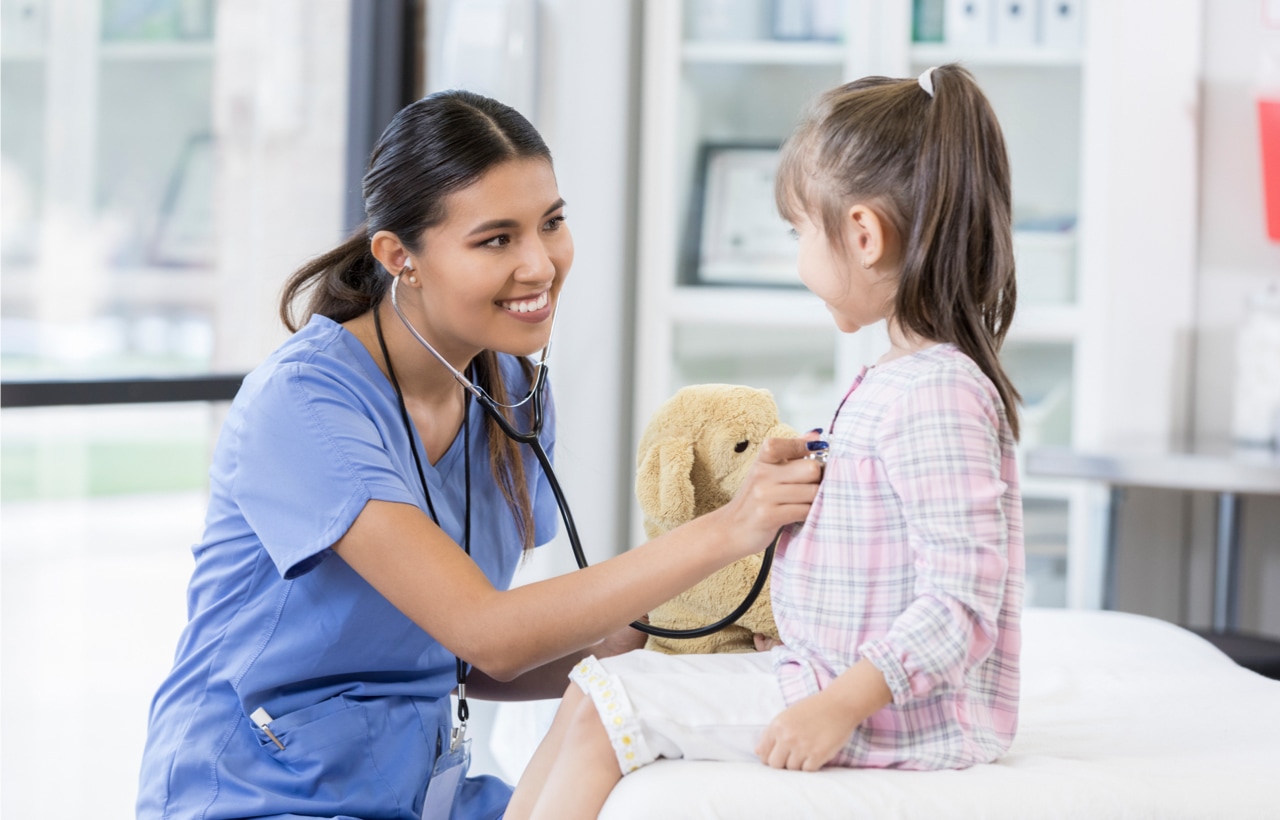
[(447, 775)]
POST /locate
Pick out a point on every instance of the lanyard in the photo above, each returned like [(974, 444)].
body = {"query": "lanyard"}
[(464, 712)]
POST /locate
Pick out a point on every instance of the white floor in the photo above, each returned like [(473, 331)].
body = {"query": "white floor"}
[(92, 600)]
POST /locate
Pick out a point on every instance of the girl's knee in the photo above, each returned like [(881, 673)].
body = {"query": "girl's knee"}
[(585, 723)]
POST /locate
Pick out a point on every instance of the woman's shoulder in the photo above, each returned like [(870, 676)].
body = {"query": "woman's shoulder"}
[(322, 356)]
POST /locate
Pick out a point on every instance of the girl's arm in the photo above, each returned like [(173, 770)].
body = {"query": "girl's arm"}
[(424, 574), (807, 734)]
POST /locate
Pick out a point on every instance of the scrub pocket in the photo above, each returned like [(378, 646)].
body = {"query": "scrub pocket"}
[(371, 757)]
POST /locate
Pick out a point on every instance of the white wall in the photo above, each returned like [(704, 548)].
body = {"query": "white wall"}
[(1165, 564), (1236, 259), (584, 102), (280, 113)]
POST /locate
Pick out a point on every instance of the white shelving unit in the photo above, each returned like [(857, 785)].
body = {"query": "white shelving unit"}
[(1060, 108), (108, 154)]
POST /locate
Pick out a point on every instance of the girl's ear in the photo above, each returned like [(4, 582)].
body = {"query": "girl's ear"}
[(868, 233)]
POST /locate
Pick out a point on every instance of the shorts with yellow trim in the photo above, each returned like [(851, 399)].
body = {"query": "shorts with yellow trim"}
[(698, 707)]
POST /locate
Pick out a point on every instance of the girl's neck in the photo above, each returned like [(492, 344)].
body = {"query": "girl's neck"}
[(903, 343)]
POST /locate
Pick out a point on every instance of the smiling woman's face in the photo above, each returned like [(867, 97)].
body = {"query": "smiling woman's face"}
[(490, 274)]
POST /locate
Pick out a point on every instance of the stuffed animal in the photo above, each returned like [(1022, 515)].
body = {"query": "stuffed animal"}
[(693, 456)]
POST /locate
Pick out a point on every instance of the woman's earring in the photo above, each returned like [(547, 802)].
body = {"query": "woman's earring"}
[(413, 280)]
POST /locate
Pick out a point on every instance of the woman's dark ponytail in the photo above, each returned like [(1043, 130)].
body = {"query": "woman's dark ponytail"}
[(344, 283)]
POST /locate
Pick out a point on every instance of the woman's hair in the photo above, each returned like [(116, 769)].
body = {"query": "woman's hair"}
[(432, 148), (935, 167)]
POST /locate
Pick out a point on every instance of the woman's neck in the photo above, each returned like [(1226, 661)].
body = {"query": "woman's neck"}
[(422, 379)]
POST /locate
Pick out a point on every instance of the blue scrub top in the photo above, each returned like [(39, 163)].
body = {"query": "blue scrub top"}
[(358, 692)]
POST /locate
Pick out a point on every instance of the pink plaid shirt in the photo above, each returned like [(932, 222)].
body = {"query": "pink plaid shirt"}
[(912, 557)]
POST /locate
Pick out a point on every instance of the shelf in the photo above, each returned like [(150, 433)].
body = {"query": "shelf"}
[(768, 52), (158, 50), (1045, 324), (22, 54), (940, 54), (767, 307), (184, 287)]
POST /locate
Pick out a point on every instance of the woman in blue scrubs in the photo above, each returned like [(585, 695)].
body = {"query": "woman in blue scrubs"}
[(331, 592)]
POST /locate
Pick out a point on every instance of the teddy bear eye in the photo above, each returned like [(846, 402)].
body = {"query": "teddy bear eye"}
[(741, 446)]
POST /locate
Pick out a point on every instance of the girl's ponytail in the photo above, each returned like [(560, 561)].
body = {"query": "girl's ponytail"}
[(957, 282)]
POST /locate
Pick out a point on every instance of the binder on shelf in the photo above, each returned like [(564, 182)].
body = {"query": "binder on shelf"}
[(1014, 23), (968, 22), (1061, 24), (928, 21)]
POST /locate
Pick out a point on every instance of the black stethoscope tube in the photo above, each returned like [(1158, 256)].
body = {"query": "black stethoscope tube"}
[(530, 438)]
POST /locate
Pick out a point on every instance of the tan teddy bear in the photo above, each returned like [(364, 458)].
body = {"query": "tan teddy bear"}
[(693, 455)]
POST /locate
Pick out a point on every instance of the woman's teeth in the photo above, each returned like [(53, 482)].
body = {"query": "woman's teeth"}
[(527, 305)]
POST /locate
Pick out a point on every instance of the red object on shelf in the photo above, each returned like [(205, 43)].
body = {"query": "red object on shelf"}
[(1269, 128)]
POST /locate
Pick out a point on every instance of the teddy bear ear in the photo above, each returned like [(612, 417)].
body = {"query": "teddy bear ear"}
[(664, 483)]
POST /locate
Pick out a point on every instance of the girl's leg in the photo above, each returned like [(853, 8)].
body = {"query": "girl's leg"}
[(535, 773), (584, 771)]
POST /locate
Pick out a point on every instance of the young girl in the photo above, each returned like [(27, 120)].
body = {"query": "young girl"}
[(365, 517), (898, 600)]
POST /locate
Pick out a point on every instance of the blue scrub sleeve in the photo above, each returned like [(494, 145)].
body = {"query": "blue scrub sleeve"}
[(311, 457)]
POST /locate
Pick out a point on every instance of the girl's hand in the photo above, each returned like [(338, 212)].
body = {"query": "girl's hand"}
[(777, 491), (621, 642), (805, 736), (764, 643)]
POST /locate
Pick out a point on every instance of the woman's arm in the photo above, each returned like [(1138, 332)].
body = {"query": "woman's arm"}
[(423, 573), (549, 680)]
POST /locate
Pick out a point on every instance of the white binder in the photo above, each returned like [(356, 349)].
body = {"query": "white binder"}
[(1061, 24), (1015, 23), (968, 23)]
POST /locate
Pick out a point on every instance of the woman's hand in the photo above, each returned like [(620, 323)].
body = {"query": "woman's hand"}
[(777, 491)]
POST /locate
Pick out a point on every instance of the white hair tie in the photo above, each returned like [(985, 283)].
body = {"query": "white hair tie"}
[(926, 80)]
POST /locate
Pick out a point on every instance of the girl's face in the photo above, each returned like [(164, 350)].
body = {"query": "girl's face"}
[(855, 296), (490, 274)]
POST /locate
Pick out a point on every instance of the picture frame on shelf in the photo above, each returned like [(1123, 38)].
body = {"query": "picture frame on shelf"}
[(736, 236), (183, 236)]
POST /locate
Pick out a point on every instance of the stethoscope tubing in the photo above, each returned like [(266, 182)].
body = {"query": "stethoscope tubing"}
[(531, 438)]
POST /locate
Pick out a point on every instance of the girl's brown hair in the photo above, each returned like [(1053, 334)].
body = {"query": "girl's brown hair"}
[(432, 148), (936, 168)]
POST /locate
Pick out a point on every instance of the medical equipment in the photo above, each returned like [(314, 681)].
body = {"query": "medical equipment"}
[(530, 437)]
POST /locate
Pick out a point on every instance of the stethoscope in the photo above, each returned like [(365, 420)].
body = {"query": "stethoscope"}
[(536, 400)]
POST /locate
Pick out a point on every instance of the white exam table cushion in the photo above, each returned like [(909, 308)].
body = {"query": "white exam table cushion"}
[(1122, 716)]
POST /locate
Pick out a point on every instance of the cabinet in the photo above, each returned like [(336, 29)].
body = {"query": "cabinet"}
[(711, 81), (108, 175)]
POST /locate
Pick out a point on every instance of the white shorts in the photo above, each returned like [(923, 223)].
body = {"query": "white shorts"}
[(700, 707)]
